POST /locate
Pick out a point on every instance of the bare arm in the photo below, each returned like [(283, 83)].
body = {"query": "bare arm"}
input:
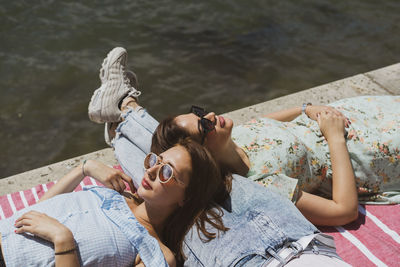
[(343, 208), (311, 111), (286, 114), (66, 184), (110, 177), (51, 230)]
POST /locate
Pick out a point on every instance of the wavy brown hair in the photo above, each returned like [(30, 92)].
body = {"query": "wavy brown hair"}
[(200, 206), (168, 133)]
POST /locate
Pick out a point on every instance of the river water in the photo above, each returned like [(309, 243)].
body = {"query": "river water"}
[(223, 55)]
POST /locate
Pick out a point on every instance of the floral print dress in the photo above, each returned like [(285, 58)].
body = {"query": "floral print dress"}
[(293, 156)]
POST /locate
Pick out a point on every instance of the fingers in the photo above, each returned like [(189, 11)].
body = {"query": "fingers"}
[(118, 182), (112, 178), (336, 112), (331, 117), (319, 118), (340, 114), (115, 185), (128, 179), (29, 215), (122, 185), (25, 222), (23, 229)]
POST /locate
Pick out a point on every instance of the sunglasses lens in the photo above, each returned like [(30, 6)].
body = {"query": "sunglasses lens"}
[(165, 173), (150, 161), (207, 124)]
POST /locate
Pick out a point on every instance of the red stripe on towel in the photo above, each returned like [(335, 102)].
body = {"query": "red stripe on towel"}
[(388, 214), (50, 185), (16, 198), (39, 190), (29, 197), (347, 250), (78, 188), (86, 181), (378, 242), (5, 206)]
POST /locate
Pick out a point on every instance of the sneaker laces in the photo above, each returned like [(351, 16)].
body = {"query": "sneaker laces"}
[(133, 92)]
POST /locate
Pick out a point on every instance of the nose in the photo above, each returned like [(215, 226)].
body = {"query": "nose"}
[(152, 172), (210, 116)]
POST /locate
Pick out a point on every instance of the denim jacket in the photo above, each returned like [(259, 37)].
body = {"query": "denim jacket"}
[(259, 220)]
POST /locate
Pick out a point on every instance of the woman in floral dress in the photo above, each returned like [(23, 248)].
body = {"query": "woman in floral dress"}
[(280, 151), (291, 152)]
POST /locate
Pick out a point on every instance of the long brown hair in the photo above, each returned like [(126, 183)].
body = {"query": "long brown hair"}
[(168, 133), (199, 206)]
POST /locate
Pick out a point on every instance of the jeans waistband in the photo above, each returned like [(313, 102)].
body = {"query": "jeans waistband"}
[(318, 244)]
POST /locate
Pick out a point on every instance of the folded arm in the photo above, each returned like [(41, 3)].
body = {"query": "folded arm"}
[(343, 207)]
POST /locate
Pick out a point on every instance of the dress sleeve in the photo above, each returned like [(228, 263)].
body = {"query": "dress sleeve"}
[(282, 184)]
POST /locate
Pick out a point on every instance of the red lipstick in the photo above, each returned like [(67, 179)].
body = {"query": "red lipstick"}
[(146, 185), (221, 121)]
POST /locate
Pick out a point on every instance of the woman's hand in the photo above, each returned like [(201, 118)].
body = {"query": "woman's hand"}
[(50, 229), (43, 226), (343, 207), (313, 111), (331, 125), (110, 177)]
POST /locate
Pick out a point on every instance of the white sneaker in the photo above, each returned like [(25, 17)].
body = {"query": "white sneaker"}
[(115, 85), (108, 132)]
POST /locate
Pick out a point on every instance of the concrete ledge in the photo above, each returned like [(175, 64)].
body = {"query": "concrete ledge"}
[(51, 172), (361, 84), (385, 81)]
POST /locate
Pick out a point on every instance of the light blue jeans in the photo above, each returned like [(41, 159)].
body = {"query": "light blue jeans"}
[(261, 222), (133, 141)]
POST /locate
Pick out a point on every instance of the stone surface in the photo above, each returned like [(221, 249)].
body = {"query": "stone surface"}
[(385, 81), (388, 78), (52, 172), (354, 86)]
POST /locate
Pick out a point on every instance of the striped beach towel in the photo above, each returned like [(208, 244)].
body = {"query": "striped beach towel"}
[(372, 240)]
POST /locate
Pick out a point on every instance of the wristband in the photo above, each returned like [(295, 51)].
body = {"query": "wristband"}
[(65, 251), (304, 106), (83, 168)]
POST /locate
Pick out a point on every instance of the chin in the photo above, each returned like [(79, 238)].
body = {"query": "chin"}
[(228, 124), (140, 191), (228, 127)]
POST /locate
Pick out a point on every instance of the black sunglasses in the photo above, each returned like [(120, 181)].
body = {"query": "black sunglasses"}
[(205, 125)]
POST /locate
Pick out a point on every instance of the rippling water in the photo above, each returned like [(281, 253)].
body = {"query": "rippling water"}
[(221, 54)]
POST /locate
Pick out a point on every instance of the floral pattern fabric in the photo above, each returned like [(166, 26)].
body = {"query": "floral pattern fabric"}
[(293, 156)]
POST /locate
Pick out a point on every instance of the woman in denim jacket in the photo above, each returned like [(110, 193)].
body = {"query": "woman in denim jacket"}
[(265, 228), (101, 227)]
